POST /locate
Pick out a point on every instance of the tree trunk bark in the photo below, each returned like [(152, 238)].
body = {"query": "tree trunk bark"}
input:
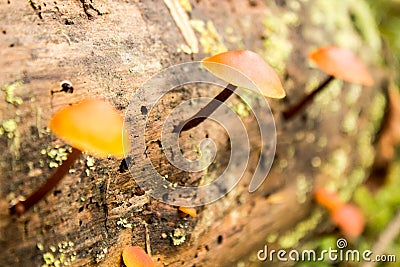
[(108, 49)]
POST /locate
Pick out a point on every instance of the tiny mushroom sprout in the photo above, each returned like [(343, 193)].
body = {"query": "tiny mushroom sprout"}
[(239, 68), (339, 63), (134, 256), (188, 210), (92, 125), (348, 217)]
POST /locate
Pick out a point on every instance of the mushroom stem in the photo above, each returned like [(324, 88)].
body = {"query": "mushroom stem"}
[(51, 182), (290, 112), (206, 111)]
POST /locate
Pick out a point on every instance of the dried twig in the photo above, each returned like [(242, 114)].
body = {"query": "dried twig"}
[(182, 21)]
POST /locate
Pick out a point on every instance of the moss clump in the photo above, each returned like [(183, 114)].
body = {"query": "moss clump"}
[(9, 90), (292, 238), (210, 40)]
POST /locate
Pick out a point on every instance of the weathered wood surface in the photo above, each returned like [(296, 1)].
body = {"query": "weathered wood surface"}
[(108, 49)]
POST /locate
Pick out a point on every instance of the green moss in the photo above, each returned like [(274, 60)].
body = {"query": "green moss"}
[(292, 238), (55, 155), (178, 236), (9, 90), (366, 150), (62, 254), (242, 109), (377, 111), (277, 46), (337, 164), (211, 41), (10, 127), (303, 188), (349, 124)]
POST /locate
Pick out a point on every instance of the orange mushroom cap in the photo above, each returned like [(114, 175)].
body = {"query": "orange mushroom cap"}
[(92, 125), (136, 257), (187, 210), (328, 199), (350, 220), (343, 64), (257, 75)]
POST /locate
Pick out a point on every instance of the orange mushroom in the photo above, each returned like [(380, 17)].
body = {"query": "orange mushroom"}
[(350, 220), (134, 256), (92, 125), (328, 199), (189, 211), (338, 63), (256, 76), (348, 217)]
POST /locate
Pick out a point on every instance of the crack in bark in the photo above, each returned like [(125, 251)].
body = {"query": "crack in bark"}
[(37, 8)]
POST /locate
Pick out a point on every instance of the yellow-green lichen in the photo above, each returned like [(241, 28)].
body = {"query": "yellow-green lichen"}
[(242, 109), (56, 155), (277, 46), (292, 238), (210, 40), (366, 150), (89, 165), (316, 162), (336, 165), (356, 177), (303, 188), (101, 255), (178, 236), (185, 4), (349, 124), (9, 90), (63, 254), (377, 111), (124, 223), (353, 94), (10, 127)]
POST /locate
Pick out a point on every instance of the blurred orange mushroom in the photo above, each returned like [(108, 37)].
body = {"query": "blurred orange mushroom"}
[(328, 199), (134, 256), (92, 125), (239, 68), (348, 217), (339, 63), (350, 220)]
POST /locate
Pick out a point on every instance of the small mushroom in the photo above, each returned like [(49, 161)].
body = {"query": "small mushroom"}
[(328, 199), (188, 210), (349, 219), (338, 63), (134, 256), (256, 76), (92, 125)]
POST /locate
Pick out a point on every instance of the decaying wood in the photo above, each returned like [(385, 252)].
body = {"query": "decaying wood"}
[(108, 49)]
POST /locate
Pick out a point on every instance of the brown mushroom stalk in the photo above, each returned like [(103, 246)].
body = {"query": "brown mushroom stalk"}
[(289, 113), (206, 111), (239, 68), (48, 186)]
